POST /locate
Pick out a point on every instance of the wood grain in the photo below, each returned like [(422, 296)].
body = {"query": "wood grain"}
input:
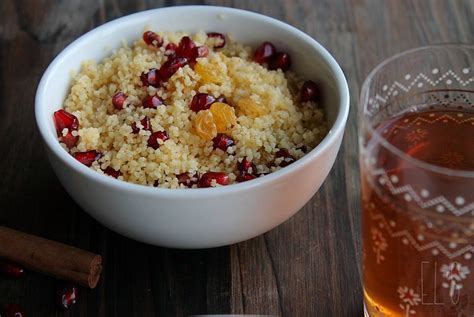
[(306, 267)]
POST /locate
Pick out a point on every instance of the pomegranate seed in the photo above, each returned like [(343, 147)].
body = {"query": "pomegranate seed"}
[(11, 270), (201, 101), (287, 157), (151, 78), (264, 52), (152, 102), (309, 91), (186, 48), (207, 178), (69, 139), (200, 51), (245, 177), (153, 39), (154, 137), (68, 296), (118, 100), (65, 120), (170, 49), (13, 310), (222, 141), (145, 122), (217, 36), (246, 166), (280, 60), (87, 158), (171, 66), (111, 172), (221, 98), (187, 180)]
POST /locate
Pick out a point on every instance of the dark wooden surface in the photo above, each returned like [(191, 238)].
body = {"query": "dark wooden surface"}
[(306, 267)]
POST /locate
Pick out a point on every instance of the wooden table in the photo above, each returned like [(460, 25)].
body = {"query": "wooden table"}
[(306, 267)]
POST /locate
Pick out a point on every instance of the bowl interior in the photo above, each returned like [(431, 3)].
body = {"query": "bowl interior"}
[(310, 60)]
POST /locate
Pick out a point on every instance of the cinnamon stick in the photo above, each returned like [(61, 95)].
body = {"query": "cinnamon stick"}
[(49, 257)]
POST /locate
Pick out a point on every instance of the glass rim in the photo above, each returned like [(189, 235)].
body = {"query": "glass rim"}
[(364, 98)]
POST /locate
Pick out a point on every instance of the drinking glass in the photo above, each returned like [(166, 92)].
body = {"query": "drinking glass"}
[(416, 142)]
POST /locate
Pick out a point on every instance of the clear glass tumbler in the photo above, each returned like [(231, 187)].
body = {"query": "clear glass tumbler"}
[(416, 138)]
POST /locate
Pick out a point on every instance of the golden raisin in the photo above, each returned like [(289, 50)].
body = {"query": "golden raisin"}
[(209, 73), (204, 125), (224, 116), (250, 108)]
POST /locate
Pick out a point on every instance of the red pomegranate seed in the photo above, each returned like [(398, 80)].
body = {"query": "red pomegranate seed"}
[(11, 270), (217, 36), (151, 78), (170, 49), (222, 141), (87, 158), (118, 100), (246, 166), (152, 102), (151, 38), (187, 180), (245, 177), (264, 52), (13, 310), (145, 122), (154, 137), (69, 139), (171, 66), (186, 48), (280, 60), (309, 91), (68, 296), (201, 101), (111, 172), (65, 120), (200, 51), (207, 178), (287, 157)]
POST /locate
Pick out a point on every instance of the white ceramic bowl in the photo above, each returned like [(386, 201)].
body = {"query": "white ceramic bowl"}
[(195, 218)]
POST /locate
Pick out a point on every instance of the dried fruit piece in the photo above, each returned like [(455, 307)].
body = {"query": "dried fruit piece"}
[(154, 139), (287, 157), (209, 74), (264, 52), (222, 141), (153, 39), (201, 101), (246, 166), (219, 37), (250, 108), (245, 177), (146, 125), (309, 91), (13, 310), (224, 116), (187, 180), (111, 172), (204, 125), (151, 78), (152, 102), (11, 270), (171, 66), (88, 157), (67, 296), (280, 60), (65, 120), (207, 179), (118, 100)]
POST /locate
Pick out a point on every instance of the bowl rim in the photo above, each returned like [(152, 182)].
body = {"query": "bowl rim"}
[(335, 130)]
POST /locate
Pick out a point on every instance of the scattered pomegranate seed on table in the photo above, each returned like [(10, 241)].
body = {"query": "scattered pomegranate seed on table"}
[(309, 91), (264, 52), (171, 66), (222, 141), (13, 310), (152, 102), (68, 296), (287, 157), (11, 270), (111, 172), (118, 100), (206, 179), (201, 101), (219, 36), (88, 157), (153, 39), (187, 180), (146, 124), (153, 139), (151, 78), (280, 60)]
